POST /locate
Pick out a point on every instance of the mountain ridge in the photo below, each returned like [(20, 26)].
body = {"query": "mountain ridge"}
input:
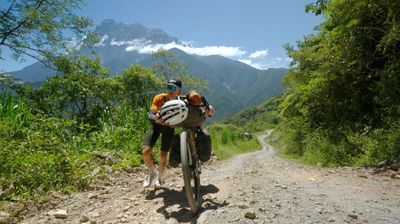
[(233, 85)]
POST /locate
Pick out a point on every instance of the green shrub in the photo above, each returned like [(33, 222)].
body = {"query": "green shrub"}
[(337, 148), (229, 140), (378, 145), (39, 153), (35, 164), (320, 149)]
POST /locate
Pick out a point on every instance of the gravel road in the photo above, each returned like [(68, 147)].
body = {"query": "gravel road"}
[(251, 188)]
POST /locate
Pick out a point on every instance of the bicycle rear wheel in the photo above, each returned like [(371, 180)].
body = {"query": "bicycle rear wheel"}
[(191, 173)]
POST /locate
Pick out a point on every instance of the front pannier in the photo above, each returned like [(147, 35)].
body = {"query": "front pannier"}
[(203, 145)]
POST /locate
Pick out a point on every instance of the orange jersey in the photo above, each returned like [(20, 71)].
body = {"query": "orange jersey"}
[(158, 101)]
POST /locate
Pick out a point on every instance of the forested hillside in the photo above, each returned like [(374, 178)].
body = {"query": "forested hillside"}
[(342, 104)]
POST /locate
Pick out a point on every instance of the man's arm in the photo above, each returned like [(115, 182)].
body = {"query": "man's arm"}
[(210, 111), (154, 114)]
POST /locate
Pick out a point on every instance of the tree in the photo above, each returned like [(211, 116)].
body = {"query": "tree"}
[(350, 66), (168, 66), (41, 29), (345, 82), (81, 91), (135, 84), (318, 7)]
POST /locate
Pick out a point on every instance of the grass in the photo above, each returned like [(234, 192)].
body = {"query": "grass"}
[(40, 154), (227, 151), (229, 141)]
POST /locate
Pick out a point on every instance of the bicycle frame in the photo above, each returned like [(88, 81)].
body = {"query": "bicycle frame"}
[(192, 141), (191, 166)]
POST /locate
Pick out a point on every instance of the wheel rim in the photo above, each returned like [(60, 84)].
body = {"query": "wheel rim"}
[(191, 174), (195, 182)]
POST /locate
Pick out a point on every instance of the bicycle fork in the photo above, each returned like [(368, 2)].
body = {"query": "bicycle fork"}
[(196, 167)]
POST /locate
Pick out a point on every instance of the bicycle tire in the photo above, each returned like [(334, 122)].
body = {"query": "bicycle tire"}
[(191, 174)]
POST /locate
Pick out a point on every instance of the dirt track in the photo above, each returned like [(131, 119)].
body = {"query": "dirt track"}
[(251, 188)]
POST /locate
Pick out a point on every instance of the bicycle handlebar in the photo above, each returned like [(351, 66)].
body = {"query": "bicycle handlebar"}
[(203, 99)]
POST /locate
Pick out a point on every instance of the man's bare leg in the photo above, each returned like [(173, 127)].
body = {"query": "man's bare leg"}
[(146, 153), (163, 162), (162, 167), (148, 161)]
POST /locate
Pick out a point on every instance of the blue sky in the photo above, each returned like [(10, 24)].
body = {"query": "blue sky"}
[(252, 31)]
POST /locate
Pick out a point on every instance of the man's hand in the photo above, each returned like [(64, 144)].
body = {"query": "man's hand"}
[(210, 111), (158, 120)]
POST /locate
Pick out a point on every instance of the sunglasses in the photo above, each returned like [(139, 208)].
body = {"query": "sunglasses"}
[(173, 88)]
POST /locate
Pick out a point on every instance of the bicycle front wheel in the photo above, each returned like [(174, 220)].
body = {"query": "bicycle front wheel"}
[(191, 173)]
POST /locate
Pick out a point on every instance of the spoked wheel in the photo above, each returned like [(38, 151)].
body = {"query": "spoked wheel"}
[(191, 173)]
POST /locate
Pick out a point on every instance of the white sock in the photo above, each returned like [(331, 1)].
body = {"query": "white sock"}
[(152, 170), (161, 175)]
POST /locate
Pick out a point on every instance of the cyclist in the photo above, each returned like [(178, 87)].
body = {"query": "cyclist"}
[(174, 89), (193, 118)]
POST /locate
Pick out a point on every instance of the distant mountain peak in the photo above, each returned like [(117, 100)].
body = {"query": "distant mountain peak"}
[(128, 32)]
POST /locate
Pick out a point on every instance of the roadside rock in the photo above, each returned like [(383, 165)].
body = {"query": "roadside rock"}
[(9, 190), (84, 218), (281, 186), (93, 196), (203, 217), (250, 215), (353, 216), (61, 214), (95, 171), (395, 176), (242, 206), (5, 218), (382, 164), (395, 166)]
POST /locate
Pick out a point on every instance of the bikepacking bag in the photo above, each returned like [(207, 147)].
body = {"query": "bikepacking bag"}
[(196, 111), (203, 145), (195, 117)]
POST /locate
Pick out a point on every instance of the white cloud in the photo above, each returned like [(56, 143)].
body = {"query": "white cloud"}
[(147, 47), (101, 43), (214, 50), (255, 59), (246, 61), (187, 43), (135, 42), (280, 62), (259, 54), (75, 44), (257, 65)]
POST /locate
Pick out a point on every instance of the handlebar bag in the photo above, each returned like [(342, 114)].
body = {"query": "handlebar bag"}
[(196, 117)]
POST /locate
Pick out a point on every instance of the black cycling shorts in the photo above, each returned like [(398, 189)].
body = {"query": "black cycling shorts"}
[(154, 132)]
